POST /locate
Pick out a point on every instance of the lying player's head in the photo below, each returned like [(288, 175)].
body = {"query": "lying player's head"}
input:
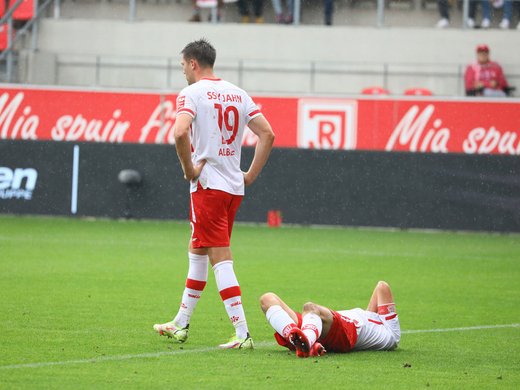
[(201, 51)]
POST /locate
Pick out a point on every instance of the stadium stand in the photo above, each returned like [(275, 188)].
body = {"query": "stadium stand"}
[(93, 44)]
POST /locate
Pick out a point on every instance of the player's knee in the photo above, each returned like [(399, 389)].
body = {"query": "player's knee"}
[(309, 307), (383, 285), (267, 300)]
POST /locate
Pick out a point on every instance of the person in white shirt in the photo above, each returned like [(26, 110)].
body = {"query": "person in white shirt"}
[(209, 128)]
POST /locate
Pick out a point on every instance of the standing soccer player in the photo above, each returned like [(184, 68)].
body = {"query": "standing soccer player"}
[(211, 117)]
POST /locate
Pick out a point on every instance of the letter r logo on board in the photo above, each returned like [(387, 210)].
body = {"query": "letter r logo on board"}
[(327, 123)]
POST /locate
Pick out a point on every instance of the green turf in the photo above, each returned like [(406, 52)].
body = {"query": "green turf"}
[(79, 299)]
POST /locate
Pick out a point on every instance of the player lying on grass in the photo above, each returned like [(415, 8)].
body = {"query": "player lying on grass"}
[(318, 329)]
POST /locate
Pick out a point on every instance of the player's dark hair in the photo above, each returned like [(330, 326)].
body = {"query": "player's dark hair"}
[(201, 51)]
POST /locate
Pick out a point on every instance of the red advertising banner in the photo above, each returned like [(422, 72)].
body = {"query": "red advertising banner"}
[(413, 124)]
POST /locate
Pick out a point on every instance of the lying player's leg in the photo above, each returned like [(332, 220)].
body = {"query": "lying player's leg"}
[(382, 330), (316, 323), (281, 317), (382, 300), (269, 300)]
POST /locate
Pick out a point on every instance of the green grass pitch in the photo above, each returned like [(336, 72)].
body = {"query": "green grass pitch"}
[(79, 299)]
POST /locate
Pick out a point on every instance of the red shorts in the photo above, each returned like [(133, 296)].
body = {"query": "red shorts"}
[(341, 338), (342, 335), (212, 213)]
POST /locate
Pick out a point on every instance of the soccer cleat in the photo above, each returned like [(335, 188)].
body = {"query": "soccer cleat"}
[(301, 342), (317, 350), (235, 342), (171, 330)]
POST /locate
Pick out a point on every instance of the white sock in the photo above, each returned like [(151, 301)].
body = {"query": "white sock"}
[(195, 283), (312, 326), (231, 296), (280, 320)]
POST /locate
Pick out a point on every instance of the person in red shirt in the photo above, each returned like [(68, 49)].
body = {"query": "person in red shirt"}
[(319, 329), (484, 77)]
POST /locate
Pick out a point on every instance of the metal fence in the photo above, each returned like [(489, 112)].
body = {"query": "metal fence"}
[(263, 76)]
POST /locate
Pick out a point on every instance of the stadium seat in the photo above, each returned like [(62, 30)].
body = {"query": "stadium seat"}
[(2, 8), (3, 36), (25, 10), (375, 91), (418, 92)]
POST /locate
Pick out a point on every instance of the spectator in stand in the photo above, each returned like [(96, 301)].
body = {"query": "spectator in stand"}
[(278, 11), (484, 77), (196, 12), (258, 9), (445, 16), (197, 4), (508, 12)]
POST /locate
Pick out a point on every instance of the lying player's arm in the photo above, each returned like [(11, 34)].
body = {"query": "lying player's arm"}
[(183, 146), (263, 131)]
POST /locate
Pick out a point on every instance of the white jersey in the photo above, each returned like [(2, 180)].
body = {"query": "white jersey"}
[(374, 332), (220, 112)]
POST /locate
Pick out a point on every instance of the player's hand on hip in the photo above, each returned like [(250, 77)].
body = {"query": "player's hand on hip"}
[(248, 179), (195, 172)]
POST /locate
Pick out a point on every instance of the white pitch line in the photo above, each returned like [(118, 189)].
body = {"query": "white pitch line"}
[(123, 357), (177, 352), (455, 329)]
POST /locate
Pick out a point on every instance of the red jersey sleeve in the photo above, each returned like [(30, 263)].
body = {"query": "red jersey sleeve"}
[(252, 110)]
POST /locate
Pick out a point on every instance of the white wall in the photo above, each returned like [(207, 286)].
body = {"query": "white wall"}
[(278, 44)]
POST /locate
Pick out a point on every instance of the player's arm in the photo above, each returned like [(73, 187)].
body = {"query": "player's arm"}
[(264, 132), (183, 146)]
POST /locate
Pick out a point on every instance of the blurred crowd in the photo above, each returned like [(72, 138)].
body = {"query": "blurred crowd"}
[(485, 6), (252, 11)]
